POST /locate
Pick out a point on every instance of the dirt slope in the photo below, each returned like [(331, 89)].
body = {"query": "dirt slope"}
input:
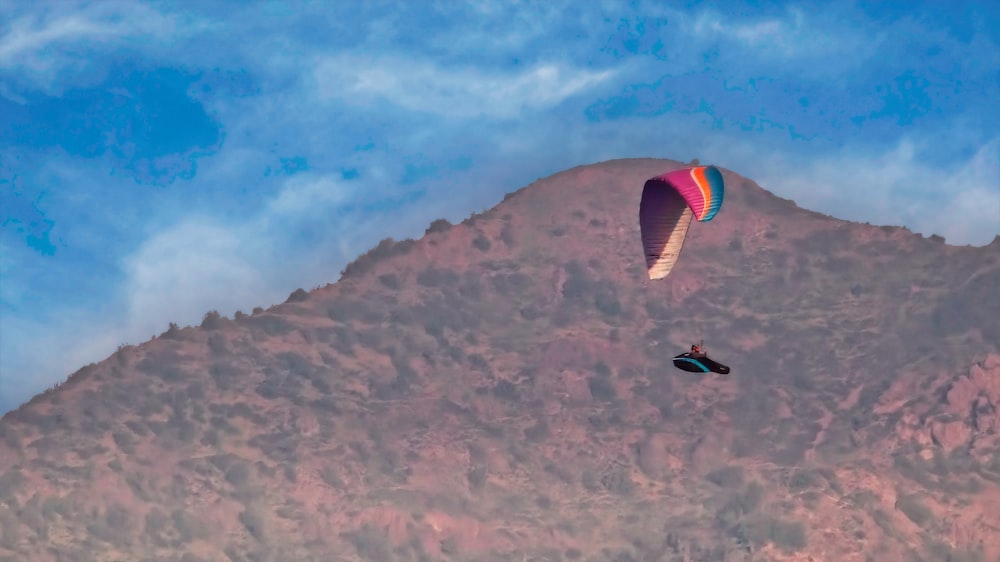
[(502, 390)]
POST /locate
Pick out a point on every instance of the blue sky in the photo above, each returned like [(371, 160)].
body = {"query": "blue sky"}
[(162, 159)]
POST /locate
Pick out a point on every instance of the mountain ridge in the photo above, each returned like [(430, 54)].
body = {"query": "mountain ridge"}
[(502, 388)]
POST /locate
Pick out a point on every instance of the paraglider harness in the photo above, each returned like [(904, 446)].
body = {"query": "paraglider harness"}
[(697, 361)]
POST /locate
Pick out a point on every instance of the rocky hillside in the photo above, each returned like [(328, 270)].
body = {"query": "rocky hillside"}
[(502, 390)]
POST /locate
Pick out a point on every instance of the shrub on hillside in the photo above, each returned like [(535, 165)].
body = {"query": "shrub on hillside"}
[(211, 438), (751, 497), (113, 527), (914, 508), (279, 445), (506, 390), (758, 530), (212, 320), (437, 277), (239, 476), (438, 225), (789, 536), (481, 243), (217, 344), (270, 325), (189, 527), (254, 523), (156, 525), (507, 236), (173, 332), (602, 369), (514, 284), (10, 436), (276, 386), (124, 441), (10, 483), (578, 284), (329, 475), (606, 301), (225, 375), (164, 369), (371, 544), (384, 250), (390, 280), (477, 477), (247, 412), (618, 480), (804, 479), (537, 432), (727, 477), (298, 295), (601, 388)]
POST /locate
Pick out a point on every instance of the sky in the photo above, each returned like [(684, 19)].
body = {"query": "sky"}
[(159, 160)]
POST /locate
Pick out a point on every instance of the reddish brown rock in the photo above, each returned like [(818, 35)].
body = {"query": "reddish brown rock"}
[(949, 435), (502, 389)]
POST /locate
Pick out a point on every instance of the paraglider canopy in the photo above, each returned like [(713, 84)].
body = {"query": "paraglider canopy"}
[(669, 202)]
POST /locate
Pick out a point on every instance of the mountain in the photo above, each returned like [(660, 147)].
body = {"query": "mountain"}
[(502, 389)]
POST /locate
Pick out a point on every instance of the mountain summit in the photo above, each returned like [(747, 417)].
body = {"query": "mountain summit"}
[(502, 389)]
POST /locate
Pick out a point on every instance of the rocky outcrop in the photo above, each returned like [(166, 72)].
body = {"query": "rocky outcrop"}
[(968, 417), (974, 400), (950, 435)]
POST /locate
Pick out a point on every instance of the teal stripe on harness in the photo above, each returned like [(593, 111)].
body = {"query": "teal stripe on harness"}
[(698, 363)]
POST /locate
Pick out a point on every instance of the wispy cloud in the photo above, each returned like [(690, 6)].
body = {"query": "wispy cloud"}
[(304, 194), (57, 41), (23, 39), (897, 187), (420, 85), (790, 35), (187, 270), (182, 271)]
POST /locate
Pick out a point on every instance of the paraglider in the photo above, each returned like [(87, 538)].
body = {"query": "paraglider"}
[(697, 361), (669, 202)]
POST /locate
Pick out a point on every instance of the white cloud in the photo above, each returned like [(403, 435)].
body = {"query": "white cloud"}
[(894, 187), (187, 270), (26, 36), (177, 275), (972, 214), (788, 37), (49, 46), (493, 26), (202, 264), (811, 45), (307, 194), (23, 39), (460, 30), (420, 85)]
